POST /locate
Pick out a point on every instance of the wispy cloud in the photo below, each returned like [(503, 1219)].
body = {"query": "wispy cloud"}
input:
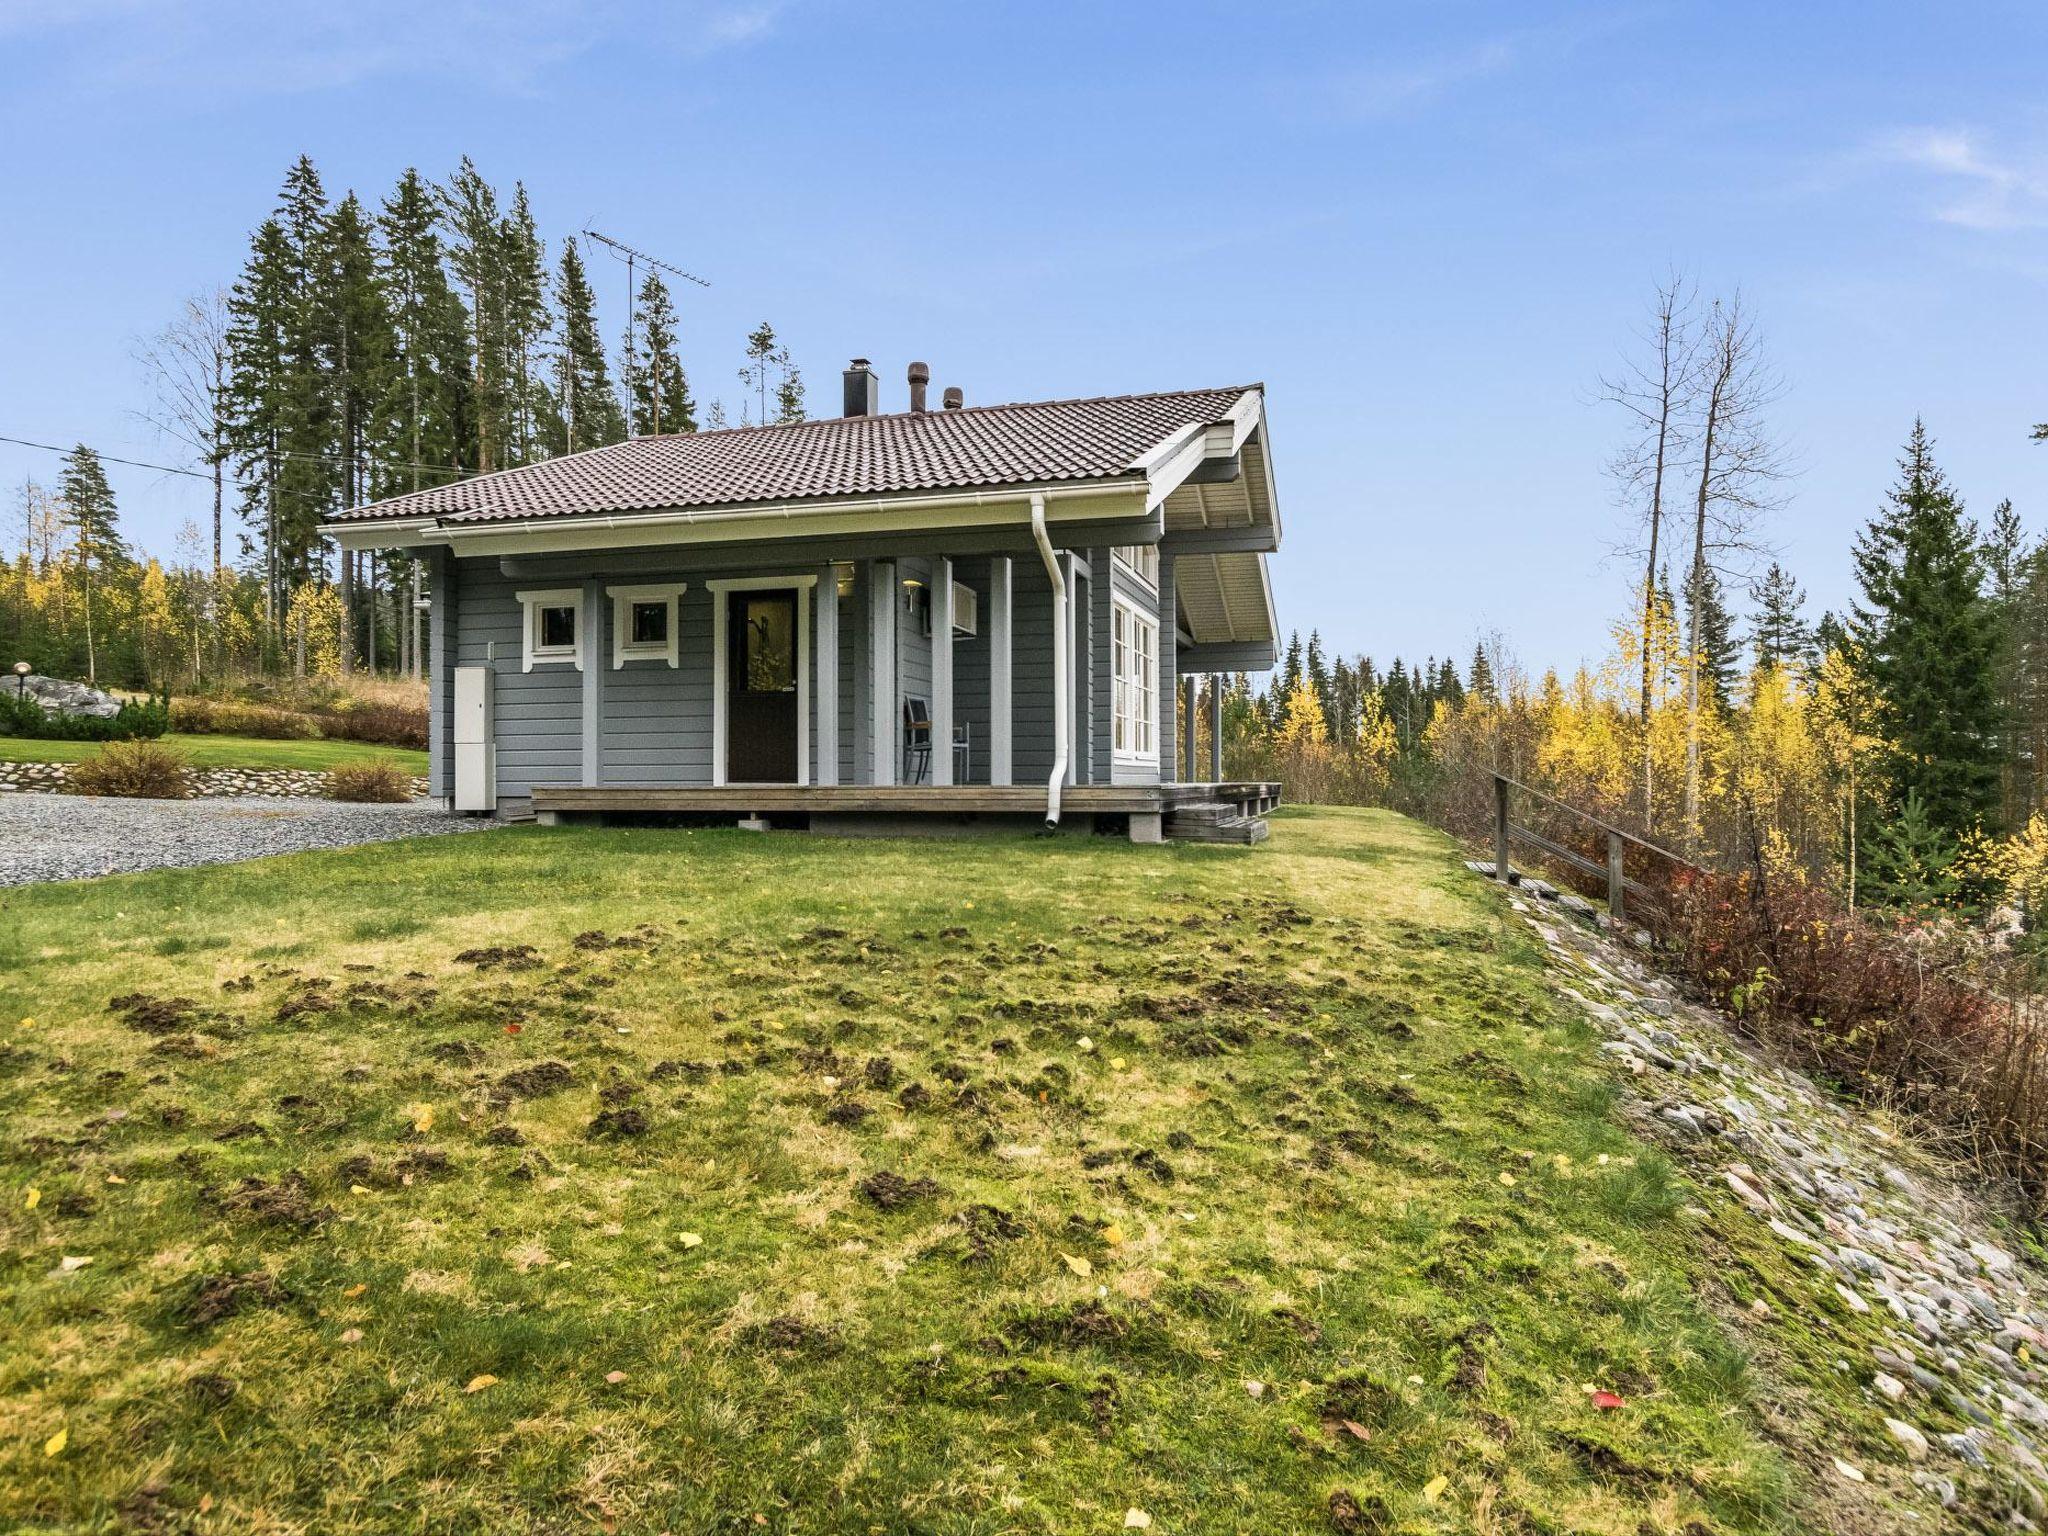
[(1981, 188), (1380, 90), (289, 46)]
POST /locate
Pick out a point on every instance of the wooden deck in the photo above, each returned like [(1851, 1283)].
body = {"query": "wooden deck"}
[(964, 800)]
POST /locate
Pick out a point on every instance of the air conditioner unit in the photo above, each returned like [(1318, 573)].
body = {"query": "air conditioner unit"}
[(966, 609)]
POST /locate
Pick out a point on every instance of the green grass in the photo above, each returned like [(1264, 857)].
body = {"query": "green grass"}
[(1334, 1136), (227, 752)]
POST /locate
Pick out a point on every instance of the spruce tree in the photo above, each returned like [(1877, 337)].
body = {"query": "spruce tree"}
[(356, 327), (524, 258), (789, 387), (587, 407), (468, 207), (1928, 641), (88, 511), (755, 375), (1481, 686), (1781, 637), (1714, 629), (660, 388), (422, 422), (256, 403)]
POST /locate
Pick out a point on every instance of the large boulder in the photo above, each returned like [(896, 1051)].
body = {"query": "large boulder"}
[(59, 697)]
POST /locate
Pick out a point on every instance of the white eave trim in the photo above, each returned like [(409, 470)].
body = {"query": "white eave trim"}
[(1170, 461)]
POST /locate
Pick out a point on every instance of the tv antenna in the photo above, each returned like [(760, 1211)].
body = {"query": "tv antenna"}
[(636, 258)]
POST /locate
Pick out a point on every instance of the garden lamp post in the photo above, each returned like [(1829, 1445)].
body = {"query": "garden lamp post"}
[(21, 672)]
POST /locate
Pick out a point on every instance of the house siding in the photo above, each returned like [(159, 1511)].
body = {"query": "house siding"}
[(653, 722)]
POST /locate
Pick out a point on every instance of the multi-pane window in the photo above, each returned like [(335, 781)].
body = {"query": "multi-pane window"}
[(1134, 646), (1142, 560)]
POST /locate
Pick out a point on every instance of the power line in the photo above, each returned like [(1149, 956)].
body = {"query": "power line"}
[(281, 453), (169, 469)]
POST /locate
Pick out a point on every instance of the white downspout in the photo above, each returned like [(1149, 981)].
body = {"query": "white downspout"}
[(1062, 683)]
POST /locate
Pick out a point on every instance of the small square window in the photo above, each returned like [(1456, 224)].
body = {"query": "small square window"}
[(650, 623), (557, 629)]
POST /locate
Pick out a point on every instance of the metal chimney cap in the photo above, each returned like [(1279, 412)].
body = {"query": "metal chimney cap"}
[(920, 373), (858, 362)]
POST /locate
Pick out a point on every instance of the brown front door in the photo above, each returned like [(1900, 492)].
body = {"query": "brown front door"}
[(761, 698)]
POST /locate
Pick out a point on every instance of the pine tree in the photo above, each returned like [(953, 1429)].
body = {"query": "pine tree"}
[(1781, 637), (789, 387), (660, 388), (1928, 641), (88, 510), (356, 327), (2005, 559), (755, 375), (256, 413), (524, 257), (587, 406)]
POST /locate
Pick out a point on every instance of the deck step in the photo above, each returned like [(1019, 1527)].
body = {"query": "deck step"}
[(1214, 821)]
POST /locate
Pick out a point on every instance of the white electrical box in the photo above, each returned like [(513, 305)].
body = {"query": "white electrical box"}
[(475, 739)]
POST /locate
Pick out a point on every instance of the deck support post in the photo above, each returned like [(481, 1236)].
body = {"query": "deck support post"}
[(1148, 827), (1000, 760), (1502, 871), (825, 657), (883, 729), (1187, 728), (942, 671), (1216, 727)]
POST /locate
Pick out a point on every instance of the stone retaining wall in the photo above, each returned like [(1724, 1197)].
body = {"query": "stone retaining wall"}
[(272, 783)]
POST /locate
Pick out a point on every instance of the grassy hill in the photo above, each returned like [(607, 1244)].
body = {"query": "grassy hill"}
[(645, 1180)]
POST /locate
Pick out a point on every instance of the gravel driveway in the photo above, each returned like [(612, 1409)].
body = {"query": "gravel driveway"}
[(72, 837)]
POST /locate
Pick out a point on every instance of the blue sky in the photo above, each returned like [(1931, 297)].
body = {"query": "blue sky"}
[(1427, 227)]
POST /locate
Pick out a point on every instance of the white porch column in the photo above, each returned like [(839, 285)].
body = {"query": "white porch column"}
[(825, 651), (1000, 770), (942, 671), (884, 730), (593, 638)]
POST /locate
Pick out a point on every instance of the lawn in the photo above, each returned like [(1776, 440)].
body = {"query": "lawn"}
[(641, 1180), (227, 752)]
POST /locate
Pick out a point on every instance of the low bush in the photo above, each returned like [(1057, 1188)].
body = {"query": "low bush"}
[(233, 717), (21, 716), (379, 782), (135, 770), (380, 724)]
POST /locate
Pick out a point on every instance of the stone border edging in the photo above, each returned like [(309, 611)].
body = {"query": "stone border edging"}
[(207, 783)]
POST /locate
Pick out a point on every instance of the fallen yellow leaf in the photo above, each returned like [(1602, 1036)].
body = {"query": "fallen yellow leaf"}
[(1137, 1520), (1078, 1265), (56, 1443), (1117, 1063), (690, 1239), (615, 1377), (1113, 1235), (1434, 1488), (356, 1290), (359, 1189), (28, 1023), (33, 1199), (1507, 1178), (478, 1383), (422, 1117), (115, 1178), (1084, 1044)]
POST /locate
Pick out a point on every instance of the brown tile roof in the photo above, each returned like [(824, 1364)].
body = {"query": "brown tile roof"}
[(1051, 440)]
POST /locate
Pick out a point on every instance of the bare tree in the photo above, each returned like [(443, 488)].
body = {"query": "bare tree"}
[(1654, 389), (187, 364), (1742, 472)]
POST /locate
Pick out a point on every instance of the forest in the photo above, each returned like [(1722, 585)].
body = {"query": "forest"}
[(364, 350)]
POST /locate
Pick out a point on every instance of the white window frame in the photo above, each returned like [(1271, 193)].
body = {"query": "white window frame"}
[(1140, 562), (1134, 684), (624, 649), (531, 652)]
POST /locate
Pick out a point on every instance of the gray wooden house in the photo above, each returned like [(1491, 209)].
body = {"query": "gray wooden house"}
[(970, 612)]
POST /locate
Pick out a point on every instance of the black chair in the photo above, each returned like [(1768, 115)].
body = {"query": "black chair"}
[(917, 744)]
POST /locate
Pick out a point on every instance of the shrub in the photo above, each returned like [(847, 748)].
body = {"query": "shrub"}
[(378, 723), (136, 770), (137, 719), (232, 717), (378, 782)]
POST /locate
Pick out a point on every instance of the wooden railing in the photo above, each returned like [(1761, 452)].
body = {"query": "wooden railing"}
[(1621, 887)]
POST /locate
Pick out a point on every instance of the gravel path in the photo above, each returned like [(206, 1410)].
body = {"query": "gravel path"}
[(73, 837)]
